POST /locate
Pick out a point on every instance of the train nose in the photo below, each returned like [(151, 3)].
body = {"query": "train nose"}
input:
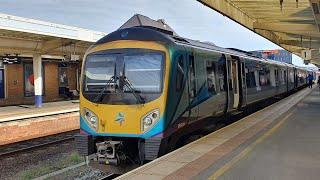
[(122, 122)]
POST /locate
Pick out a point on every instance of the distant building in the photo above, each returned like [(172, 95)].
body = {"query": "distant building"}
[(277, 55)]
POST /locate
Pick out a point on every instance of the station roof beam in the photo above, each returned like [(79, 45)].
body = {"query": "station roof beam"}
[(293, 25), (20, 35)]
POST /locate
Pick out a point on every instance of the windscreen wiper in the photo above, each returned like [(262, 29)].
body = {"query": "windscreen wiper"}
[(129, 85), (98, 97)]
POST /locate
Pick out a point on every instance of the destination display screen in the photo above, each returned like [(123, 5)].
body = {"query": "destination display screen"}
[(10, 60)]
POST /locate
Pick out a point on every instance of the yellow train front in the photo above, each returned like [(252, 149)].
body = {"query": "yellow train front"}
[(123, 97)]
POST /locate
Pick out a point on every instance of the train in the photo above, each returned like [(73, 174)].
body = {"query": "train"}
[(144, 88)]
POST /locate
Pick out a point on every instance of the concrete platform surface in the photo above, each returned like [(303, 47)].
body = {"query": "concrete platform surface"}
[(281, 141), (10, 113), (24, 122), (291, 151)]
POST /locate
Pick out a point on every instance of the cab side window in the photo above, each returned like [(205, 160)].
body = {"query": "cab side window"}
[(179, 74), (192, 77), (211, 77)]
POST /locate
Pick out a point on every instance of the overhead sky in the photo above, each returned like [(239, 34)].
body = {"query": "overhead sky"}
[(188, 18)]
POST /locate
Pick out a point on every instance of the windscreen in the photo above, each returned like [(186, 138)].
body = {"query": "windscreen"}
[(126, 76), (98, 71), (144, 71)]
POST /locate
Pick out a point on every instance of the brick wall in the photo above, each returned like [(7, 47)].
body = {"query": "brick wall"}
[(11, 132)]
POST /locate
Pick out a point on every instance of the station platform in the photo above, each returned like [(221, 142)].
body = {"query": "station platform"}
[(11, 113), (281, 141), (23, 122)]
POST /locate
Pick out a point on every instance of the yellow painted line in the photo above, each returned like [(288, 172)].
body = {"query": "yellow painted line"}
[(247, 150)]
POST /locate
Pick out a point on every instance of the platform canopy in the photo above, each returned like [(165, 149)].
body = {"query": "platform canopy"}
[(25, 36), (291, 24)]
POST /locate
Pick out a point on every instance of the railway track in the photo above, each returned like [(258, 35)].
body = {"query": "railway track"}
[(11, 149)]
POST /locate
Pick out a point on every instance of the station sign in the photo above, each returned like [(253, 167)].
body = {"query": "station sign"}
[(306, 54), (10, 59), (74, 57)]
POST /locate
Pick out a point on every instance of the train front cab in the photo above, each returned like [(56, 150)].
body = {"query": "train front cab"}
[(117, 122)]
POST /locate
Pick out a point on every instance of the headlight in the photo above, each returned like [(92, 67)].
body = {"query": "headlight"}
[(150, 120), (147, 121), (91, 118)]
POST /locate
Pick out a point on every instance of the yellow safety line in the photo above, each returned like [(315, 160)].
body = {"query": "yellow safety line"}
[(247, 150)]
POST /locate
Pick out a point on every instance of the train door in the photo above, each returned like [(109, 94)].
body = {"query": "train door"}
[(193, 112), (235, 82), (295, 72), (242, 84), (233, 79), (286, 79), (1, 83)]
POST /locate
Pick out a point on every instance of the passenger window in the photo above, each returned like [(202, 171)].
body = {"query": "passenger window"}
[(211, 77), (180, 74), (264, 76), (250, 78), (277, 77), (291, 76), (284, 76), (222, 72)]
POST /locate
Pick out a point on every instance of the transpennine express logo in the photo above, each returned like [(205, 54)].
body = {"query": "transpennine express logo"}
[(120, 118)]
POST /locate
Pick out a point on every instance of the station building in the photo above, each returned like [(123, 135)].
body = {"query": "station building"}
[(40, 61), (276, 54), (17, 80)]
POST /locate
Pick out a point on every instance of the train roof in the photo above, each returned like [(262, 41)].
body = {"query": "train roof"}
[(144, 21), (232, 51), (161, 32)]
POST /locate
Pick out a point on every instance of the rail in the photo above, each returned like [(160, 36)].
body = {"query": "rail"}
[(10, 149)]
